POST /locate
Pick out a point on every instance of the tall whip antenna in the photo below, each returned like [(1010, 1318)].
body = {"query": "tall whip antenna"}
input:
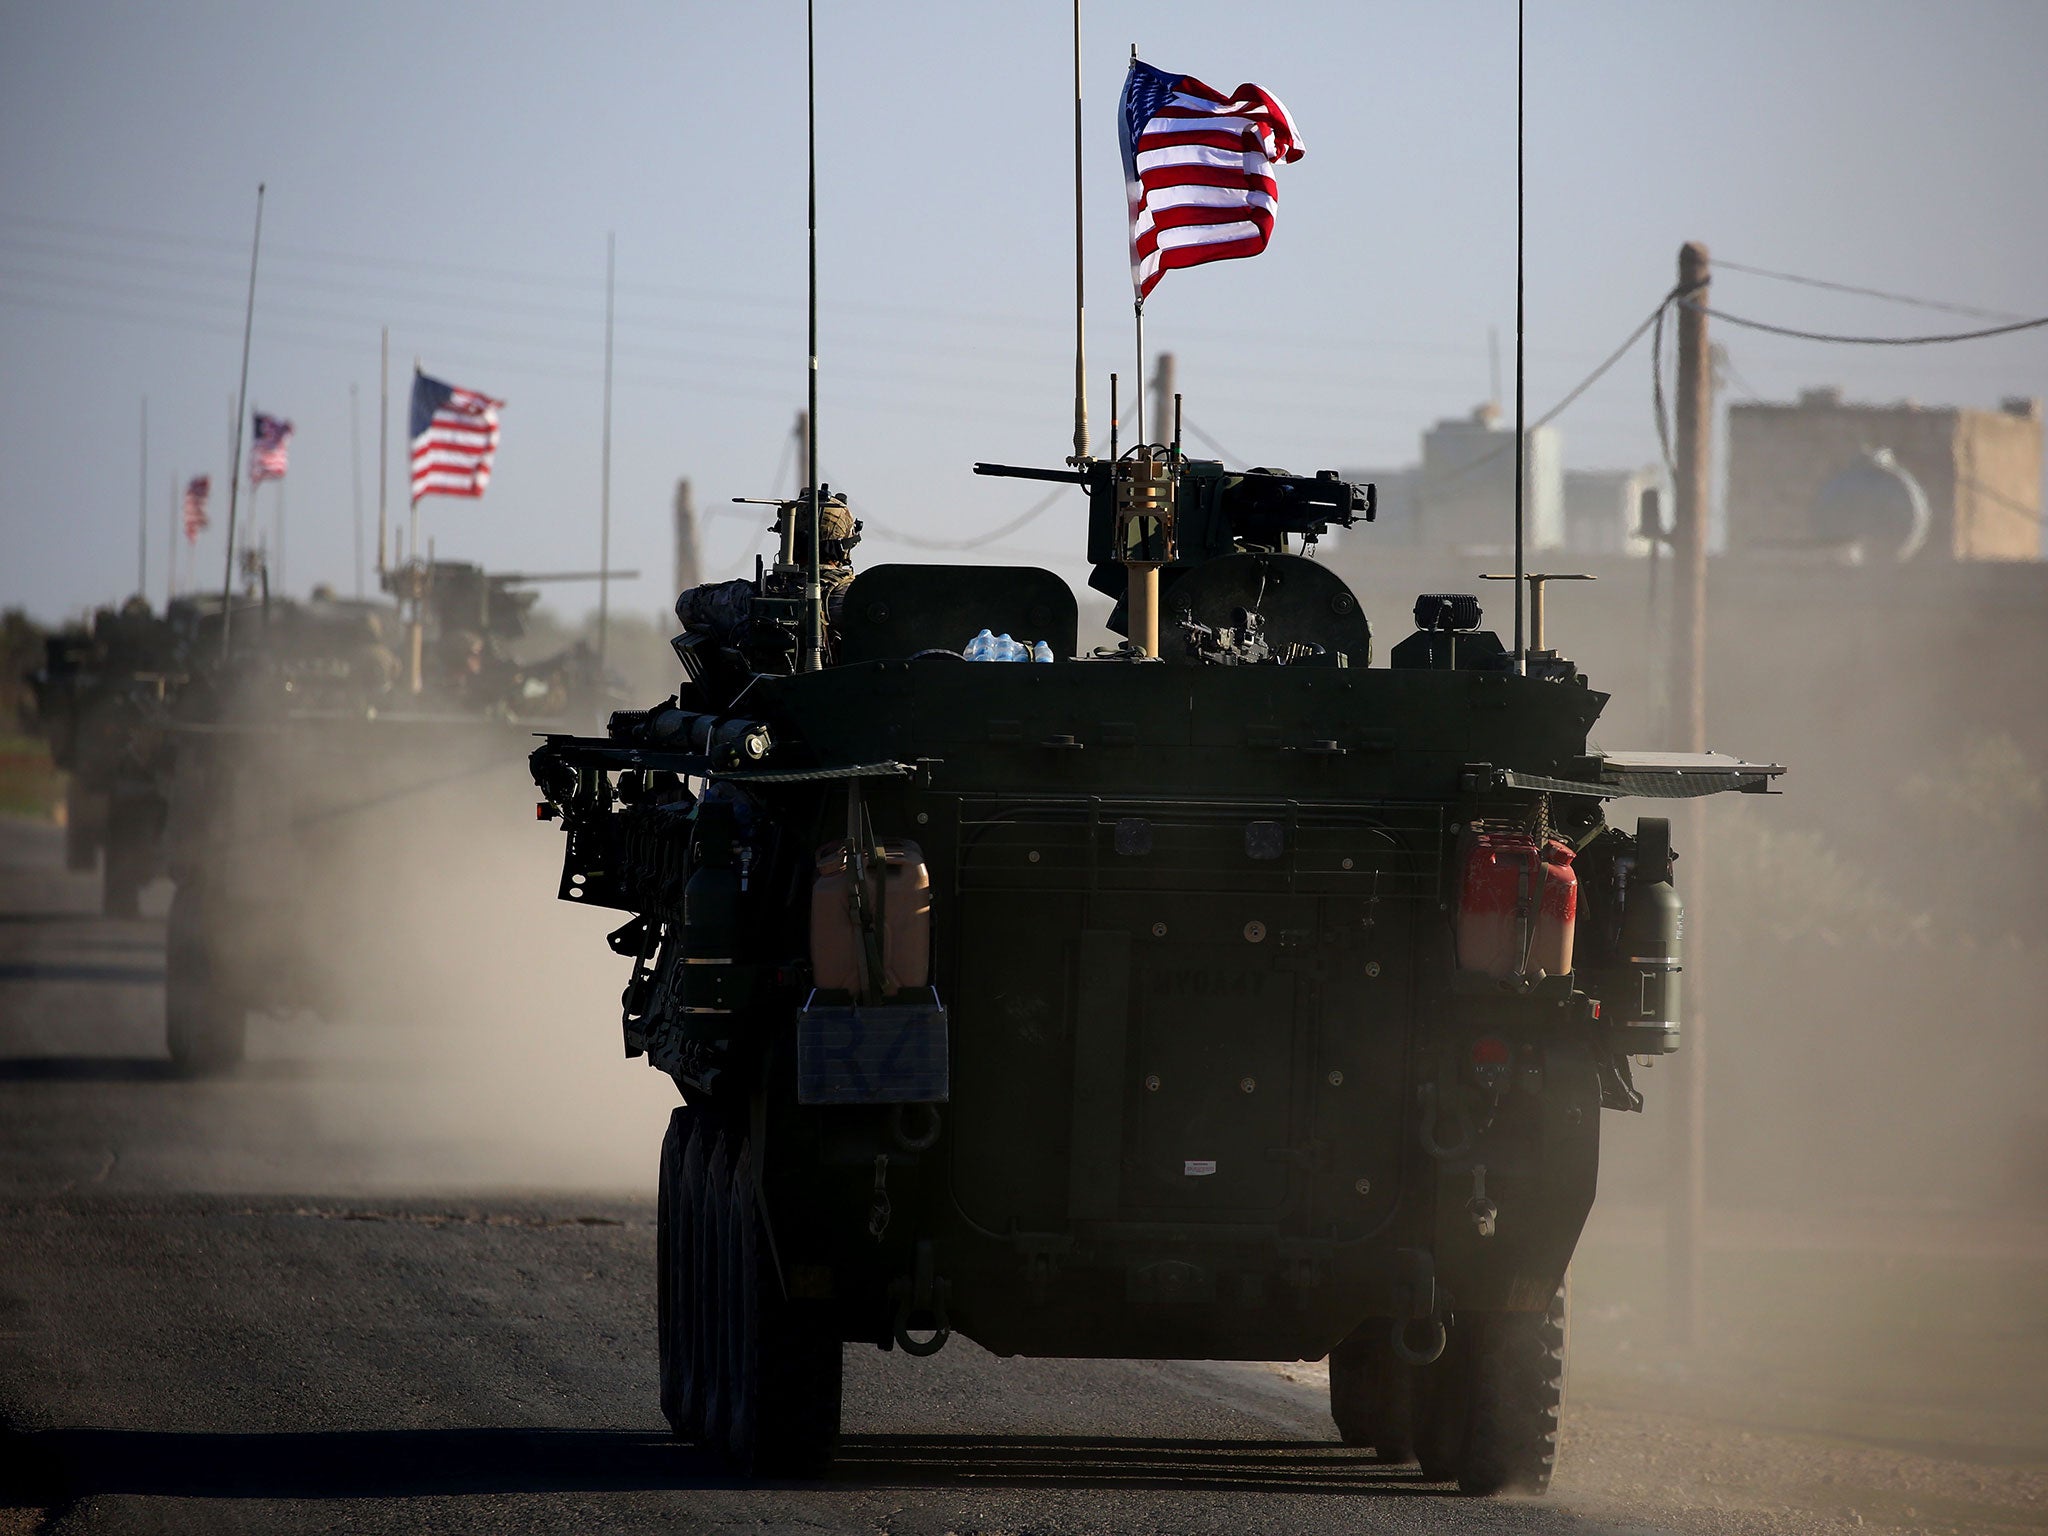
[(1080, 300), (1521, 473), (814, 646), (227, 582)]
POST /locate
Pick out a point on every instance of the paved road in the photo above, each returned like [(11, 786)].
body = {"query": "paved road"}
[(303, 1299)]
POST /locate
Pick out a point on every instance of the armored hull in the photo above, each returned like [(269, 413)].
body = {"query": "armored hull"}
[(1226, 1037)]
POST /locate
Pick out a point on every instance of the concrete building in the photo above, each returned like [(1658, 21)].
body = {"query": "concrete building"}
[(1979, 471), (1465, 493), (1603, 509)]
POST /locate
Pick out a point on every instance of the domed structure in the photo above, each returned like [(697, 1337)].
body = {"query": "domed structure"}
[(1872, 507)]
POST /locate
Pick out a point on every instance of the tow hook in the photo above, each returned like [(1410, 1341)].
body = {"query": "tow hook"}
[(1441, 1151), (1419, 1335), (922, 1294), (1484, 1212), (1419, 1340)]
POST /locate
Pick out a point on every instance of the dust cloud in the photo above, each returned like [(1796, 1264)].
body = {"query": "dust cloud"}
[(459, 1027)]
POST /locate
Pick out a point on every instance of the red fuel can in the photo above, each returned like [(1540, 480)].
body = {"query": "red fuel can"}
[(1518, 904)]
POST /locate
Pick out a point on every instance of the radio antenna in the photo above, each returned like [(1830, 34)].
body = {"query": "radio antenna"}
[(1080, 304), (814, 626), (1521, 473)]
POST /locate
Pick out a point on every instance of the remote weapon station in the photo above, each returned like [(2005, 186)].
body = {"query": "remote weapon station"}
[(1218, 995)]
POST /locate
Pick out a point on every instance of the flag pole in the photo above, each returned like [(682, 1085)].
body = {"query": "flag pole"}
[(416, 575), (227, 583), (142, 512), (1080, 304), (171, 551), (383, 443), (1521, 444), (813, 636), (1139, 309), (604, 496), (355, 476)]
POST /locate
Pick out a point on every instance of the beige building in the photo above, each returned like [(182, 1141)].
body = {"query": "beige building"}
[(1979, 473)]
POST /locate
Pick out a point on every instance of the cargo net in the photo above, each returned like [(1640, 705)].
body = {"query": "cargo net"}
[(1388, 852)]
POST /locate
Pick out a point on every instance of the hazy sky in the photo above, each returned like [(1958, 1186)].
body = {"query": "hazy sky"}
[(453, 171)]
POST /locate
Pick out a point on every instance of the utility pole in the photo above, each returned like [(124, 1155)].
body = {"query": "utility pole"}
[(171, 549), (355, 471), (142, 513), (1162, 393), (1688, 701), (686, 537), (604, 493)]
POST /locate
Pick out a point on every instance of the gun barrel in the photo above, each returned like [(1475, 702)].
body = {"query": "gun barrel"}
[(1020, 472)]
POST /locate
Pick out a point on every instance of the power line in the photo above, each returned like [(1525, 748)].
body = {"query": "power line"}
[(1210, 443), (1869, 293), (1867, 341), (980, 540)]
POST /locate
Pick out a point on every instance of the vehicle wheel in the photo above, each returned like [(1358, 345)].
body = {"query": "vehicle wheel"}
[(205, 1023), (784, 1386), (1443, 1404), (1517, 1401), (674, 1242), (81, 830), (708, 1304), (693, 1297), (1372, 1395), (128, 859)]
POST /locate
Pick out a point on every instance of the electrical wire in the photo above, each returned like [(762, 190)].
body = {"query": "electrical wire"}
[(1721, 263), (1657, 394), (980, 540), (1652, 320), (1210, 443), (1866, 341)]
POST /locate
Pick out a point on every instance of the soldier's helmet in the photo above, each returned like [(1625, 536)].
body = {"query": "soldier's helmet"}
[(838, 528)]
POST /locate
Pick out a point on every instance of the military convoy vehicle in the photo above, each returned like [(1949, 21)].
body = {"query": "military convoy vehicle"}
[(1218, 994), (99, 695), (304, 773)]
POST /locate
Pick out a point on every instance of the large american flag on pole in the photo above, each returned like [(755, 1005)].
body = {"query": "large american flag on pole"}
[(454, 435), (195, 506), (270, 453), (1198, 168)]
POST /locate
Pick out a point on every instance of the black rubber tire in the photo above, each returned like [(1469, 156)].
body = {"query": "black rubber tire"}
[(692, 1374), (709, 1304), (1517, 1401), (82, 829), (1443, 1405), (785, 1362), (1372, 1395), (206, 1026), (674, 1250), (129, 857)]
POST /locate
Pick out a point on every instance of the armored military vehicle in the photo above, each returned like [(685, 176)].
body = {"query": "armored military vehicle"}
[(1216, 994), (317, 763), (99, 695)]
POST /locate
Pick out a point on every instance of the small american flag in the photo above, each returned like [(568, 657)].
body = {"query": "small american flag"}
[(1198, 168), (196, 490), (454, 436), (270, 454)]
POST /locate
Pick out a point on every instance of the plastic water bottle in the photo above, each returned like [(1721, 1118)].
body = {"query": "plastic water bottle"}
[(981, 648), (1009, 650), (1041, 652)]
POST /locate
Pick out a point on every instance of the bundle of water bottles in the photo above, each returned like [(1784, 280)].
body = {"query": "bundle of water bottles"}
[(988, 647)]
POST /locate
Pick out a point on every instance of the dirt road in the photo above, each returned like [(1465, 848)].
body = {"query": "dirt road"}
[(373, 1282)]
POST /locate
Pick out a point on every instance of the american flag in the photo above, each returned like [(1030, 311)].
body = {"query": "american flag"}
[(270, 454), (195, 506), (1198, 168), (454, 435)]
